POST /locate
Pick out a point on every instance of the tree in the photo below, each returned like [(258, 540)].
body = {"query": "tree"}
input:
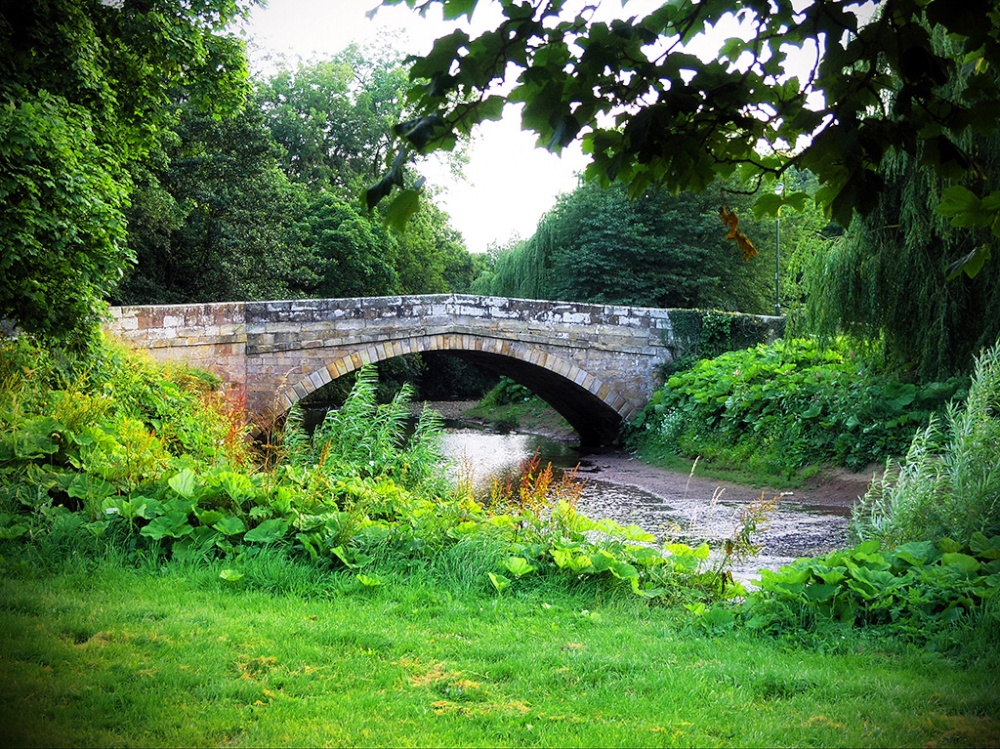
[(355, 254), (651, 113), (334, 118), (431, 257), (84, 92), (885, 280), (657, 250), (212, 217)]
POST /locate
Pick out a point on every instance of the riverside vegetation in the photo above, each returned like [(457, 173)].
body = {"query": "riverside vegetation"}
[(166, 583)]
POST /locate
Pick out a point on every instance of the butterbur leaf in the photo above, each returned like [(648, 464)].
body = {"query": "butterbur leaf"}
[(230, 525), (87, 487), (267, 532), (819, 592), (518, 566), (98, 526), (949, 545), (963, 562), (637, 533), (209, 517), (184, 483), (623, 570), (230, 575), (369, 581), (985, 548), (499, 582), (647, 590), (171, 525), (917, 553)]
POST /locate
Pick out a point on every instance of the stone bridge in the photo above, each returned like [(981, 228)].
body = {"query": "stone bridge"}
[(596, 365)]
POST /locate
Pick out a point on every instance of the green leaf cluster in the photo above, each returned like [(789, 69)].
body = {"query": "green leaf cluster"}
[(137, 458), (824, 87), (948, 482), (786, 405), (83, 96), (654, 250), (887, 279), (920, 590), (151, 472)]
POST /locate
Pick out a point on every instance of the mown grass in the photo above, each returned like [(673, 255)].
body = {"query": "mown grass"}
[(103, 654)]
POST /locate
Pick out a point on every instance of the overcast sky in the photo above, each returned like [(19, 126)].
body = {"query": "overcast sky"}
[(509, 183)]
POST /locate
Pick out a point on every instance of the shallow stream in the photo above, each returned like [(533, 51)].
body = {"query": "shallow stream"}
[(793, 529)]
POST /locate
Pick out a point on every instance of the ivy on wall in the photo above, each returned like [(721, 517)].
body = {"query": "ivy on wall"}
[(703, 334)]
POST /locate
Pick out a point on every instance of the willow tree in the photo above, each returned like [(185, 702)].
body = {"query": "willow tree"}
[(887, 279)]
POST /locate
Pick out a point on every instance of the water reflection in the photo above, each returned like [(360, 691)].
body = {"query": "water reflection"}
[(793, 530)]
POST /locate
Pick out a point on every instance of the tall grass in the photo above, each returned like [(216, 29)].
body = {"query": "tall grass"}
[(369, 440), (949, 483)]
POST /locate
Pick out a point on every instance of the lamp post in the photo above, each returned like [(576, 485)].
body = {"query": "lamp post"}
[(778, 190)]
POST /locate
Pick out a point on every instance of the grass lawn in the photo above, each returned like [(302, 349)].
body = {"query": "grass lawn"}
[(176, 656)]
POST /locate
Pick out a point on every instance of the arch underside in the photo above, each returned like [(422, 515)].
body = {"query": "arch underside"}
[(590, 406)]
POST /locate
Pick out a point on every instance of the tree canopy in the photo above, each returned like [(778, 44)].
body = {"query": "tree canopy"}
[(84, 92), (649, 112), (657, 250)]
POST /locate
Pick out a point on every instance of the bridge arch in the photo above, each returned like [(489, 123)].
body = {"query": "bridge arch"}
[(590, 405)]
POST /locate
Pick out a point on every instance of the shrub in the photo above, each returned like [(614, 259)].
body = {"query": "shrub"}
[(920, 590), (779, 407), (949, 482)]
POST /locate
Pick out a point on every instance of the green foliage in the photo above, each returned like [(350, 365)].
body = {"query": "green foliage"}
[(109, 455), (367, 440), (887, 279), (948, 484), (349, 249), (782, 406), (919, 590), (83, 96), (650, 113), (334, 118), (333, 122), (506, 392), (699, 334), (656, 250), (212, 217), (129, 457), (61, 222)]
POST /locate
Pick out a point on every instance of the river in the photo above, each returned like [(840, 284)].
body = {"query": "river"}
[(680, 510)]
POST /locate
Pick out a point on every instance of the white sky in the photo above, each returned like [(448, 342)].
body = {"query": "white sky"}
[(509, 183)]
